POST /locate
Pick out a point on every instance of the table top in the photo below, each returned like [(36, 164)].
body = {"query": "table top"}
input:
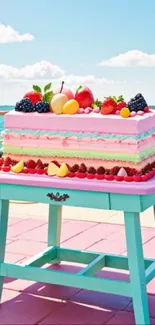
[(80, 184)]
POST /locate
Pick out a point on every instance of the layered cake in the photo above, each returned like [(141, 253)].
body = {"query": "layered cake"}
[(111, 140)]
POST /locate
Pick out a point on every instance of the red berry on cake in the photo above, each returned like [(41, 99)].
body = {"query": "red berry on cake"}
[(33, 96), (109, 106), (121, 105), (146, 109), (75, 168), (100, 170), (83, 168), (91, 170), (30, 164), (1, 161), (7, 161)]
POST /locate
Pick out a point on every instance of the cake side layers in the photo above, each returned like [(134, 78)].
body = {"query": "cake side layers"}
[(80, 122), (41, 152)]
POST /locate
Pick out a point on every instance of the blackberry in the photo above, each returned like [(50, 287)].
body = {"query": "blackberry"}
[(42, 107), (25, 106), (138, 103)]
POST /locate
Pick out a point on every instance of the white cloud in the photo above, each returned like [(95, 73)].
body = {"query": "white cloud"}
[(9, 35), (40, 70), (15, 82), (132, 58)]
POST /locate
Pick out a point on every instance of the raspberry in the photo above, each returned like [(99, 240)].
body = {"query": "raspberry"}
[(128, 178), (6, 169), (118, 178), (14, 162), (55, 162), (7, 161), (90, 175), (92, 170), (40, 171), (99, 176), (1, 161), (71, 174), (137, 178), (75, 168), (83, 168), (31, 170), (39, 164), (31, 164), (109, 177), (114, 170), (121, 105), (100, 170), (80, 175), (25, 171), (146, 109)]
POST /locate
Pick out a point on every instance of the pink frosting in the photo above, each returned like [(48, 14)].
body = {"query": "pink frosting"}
[(80, 122), (73, 143)]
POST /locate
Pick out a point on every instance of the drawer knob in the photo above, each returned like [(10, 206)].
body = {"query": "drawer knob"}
[(58, 197)]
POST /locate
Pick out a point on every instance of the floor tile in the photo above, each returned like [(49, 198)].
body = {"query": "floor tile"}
[(23, 226), (74, 314), (108, 246), (25, 247), (20, 308), (124, 318), (88, 238)]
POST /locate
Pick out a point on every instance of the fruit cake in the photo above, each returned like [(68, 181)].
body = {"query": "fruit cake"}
[(73, 135)]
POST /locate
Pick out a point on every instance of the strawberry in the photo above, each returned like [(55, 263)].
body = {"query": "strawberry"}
[(1, 161), (109, 106), (109, 177), (30, 164), (34, 96), (99, 176), (121, 105), (71, 174), (39, 164)]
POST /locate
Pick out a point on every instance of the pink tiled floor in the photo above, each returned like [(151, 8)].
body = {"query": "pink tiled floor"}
[(26, 302)]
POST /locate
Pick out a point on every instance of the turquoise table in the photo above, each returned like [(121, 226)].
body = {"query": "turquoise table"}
[(132, 198)]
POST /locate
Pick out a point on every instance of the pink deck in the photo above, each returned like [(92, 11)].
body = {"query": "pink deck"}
[(78, 184), (26, 302)]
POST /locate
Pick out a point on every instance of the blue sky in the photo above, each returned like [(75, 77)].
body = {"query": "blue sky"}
[(76, 35)]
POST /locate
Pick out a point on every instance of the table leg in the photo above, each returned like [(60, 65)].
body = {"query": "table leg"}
[(54, 225), (136, 267), (4, 209)]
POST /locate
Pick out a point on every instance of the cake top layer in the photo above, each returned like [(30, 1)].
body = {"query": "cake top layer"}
[(80, 122)]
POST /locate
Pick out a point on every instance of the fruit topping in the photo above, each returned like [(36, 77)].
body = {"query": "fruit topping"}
[(30, 164), (63, 170), (52, 169), (122, 172), (71, 107), (80, 175), (114, 170), (25, 105), (100, 170), (90, 176), (83, 168), (109, 106), (125, 112), (42, 107), (84, 97), (91, 170), (7, 161), (71, 174), (65, 91), (75, 168), (33, 96), (109, 177), (18, 168), (138, 103)]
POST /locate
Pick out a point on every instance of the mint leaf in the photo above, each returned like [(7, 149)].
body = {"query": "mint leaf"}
[(47, 87), (37, 88), (48, 96)]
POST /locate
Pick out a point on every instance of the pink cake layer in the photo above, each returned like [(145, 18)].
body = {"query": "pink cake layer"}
[(108, 164), (81, 122), (108, 145)]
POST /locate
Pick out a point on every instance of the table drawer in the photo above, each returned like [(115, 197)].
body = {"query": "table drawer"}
[(55, 196)]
